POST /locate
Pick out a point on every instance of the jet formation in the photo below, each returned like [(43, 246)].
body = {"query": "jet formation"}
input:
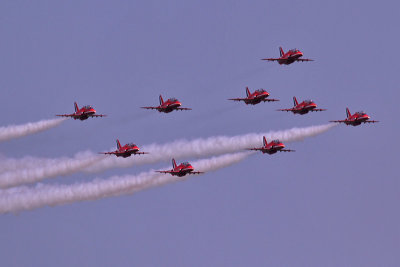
[(252, 98)]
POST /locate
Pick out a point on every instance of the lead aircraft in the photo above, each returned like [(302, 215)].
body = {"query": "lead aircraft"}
[(303, 108), (181, 169), (258, 96), (272, 147), (355, 119), (125, 151), (289, 57), (82, 113), (168, 106)]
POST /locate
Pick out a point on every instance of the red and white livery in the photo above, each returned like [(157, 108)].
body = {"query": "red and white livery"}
[(258, 96), (303, 108), (355, 119), (82, 113), (168, 106), (272, 147), (181, 169), (289, 57), (125, 151)]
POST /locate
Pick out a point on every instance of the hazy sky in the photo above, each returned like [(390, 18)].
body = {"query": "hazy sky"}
[(332, 203)]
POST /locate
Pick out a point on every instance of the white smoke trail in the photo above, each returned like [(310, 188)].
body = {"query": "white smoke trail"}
[(26, 162), (15, 131), (55, 168), (179, 149), (202, 147), (25, 198)]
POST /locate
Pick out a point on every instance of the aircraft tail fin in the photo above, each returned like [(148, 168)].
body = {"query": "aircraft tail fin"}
[(295, 103), (264, 141), (247, 91), (76, 107), (161, 100), (348, 112), (173, 163), (281, 51), (118, 144)]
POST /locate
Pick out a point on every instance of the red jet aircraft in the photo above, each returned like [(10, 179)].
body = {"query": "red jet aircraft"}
[(82, 114), (289, 57), (302, 108), (271, 148), (168, 106), (125, 151), (181, 170), (255, 98), (355, 119)]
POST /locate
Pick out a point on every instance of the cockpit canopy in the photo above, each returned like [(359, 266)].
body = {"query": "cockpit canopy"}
[(276, 141), (260, 91), (185, 163), (87, 107), (173, 99), (294, 50), (131, 144), (308, 101), (360, 113)]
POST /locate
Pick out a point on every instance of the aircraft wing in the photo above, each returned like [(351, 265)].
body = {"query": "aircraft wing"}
[(304, 59), (255, 148), (271, 59), (141, 153), (183, 109), (285, 109), (237, 99), (371, 121), (164, 171), (150, 107), (318, 109), (339, 121), (109, 153), (287, 150), (66, 115), (270, 100), (196, 172), (97, 115)]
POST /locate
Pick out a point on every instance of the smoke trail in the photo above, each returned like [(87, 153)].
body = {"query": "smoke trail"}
[(15, 131), (202, 147), (59, 167), (179, 149), (25, 198)]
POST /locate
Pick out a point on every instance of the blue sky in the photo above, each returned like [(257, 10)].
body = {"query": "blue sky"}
[(333, 202)]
